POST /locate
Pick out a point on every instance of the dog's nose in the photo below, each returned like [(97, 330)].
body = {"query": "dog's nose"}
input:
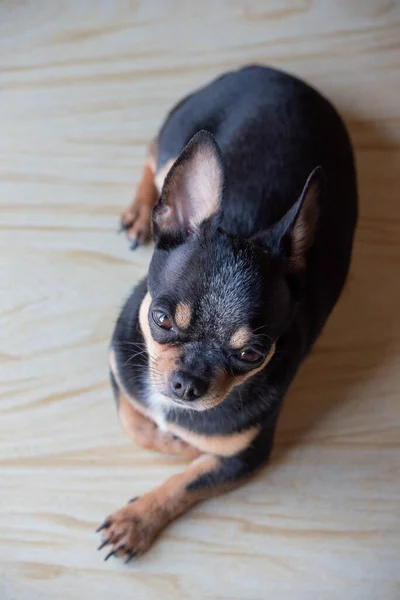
[(187, 387)]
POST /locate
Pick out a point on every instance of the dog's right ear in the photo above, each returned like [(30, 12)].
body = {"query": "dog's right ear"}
[(192, 190)]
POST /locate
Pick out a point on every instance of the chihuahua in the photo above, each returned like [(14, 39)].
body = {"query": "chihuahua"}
[(249, 192)]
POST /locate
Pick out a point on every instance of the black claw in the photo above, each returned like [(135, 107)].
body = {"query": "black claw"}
[(134, 245), (132, 500), (110, 554), (104, 543), (122, 228), (106, 523), (130, 556)]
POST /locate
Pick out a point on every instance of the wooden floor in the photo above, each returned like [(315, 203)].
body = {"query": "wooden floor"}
[(83, 86)]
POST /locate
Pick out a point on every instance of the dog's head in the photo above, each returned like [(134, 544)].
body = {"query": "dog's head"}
[(216, 303)]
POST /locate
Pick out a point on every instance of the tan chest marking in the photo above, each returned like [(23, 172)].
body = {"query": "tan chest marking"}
[(222, 445)]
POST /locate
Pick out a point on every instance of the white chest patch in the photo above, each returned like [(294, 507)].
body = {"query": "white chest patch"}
[(158, 407)]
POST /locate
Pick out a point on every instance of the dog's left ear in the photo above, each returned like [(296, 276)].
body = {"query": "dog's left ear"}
[(192, 190), (293, 235)]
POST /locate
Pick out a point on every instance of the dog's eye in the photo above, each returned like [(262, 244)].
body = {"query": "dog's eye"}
[(250, 356), (161, 319)]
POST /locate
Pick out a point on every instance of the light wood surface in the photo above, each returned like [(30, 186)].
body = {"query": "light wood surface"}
[(83, 87)]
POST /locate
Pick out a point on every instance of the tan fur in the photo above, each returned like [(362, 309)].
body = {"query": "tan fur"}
[(222, 445), (146, 434), (183, 315), (147, 181), (137, 217), (240, 338), (303, 232), (135, 527), (163, 357)]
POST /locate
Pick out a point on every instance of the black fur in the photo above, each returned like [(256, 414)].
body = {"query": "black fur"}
[(272, 130)]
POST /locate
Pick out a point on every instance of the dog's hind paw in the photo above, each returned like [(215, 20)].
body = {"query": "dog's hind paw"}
[(136, 222)]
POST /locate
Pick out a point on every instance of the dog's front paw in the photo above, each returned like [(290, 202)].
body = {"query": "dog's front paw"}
[(131, 530), (136, 221)]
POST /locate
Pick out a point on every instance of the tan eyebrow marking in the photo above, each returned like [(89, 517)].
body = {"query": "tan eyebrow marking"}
[(183, 315), (240, 338)]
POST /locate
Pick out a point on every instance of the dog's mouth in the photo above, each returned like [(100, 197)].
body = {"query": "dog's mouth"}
[(197, 405), (201, 404)]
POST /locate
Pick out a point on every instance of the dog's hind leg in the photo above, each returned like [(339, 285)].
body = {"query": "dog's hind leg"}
[(136, 219)]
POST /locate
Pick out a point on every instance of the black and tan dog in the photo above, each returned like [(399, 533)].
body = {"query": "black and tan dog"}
[(251, 191)]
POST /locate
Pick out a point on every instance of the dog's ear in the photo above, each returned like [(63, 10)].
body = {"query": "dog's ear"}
[(192, 189), (293, 235)]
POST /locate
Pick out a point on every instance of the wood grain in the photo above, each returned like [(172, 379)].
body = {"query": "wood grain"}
[(84, 86)]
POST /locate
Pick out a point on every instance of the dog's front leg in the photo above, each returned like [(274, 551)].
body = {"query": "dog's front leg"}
[(132, 529)]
